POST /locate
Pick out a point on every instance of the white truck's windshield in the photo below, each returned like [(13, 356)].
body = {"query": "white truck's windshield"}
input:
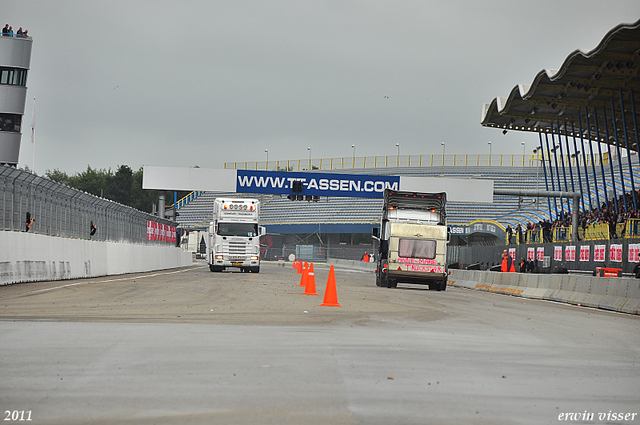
[(238, 229)]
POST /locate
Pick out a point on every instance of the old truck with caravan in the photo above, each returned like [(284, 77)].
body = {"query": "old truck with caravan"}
[(413, 238)]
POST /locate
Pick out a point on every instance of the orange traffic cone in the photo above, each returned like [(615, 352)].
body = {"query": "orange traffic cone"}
[(299, 267), (330, 293), (303, 279), (310, 288), (295, 264)]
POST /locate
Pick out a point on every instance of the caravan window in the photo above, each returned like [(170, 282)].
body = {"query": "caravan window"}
[(417, 248)]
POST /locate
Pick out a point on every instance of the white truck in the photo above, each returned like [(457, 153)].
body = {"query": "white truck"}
[(413, 238), (233, 237)]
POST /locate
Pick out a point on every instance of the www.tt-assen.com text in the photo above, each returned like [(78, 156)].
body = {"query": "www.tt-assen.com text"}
[(321, 185)]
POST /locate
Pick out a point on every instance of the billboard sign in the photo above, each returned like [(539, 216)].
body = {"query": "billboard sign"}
[(310, 183), (316, 184)]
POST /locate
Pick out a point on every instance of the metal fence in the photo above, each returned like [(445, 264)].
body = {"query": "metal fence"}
[(318, 253), (423, 160), (62, 211)]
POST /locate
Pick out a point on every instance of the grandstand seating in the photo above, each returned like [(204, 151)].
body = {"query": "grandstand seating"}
[(506, 210)]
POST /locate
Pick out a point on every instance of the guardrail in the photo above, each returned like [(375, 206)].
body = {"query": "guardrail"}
[(595, 231), (426, 160), (186, 199), (562, 234), (534, 236), (632, 228), (59, 210)]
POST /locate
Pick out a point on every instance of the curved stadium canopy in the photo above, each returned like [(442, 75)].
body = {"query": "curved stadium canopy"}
[(583, 96)]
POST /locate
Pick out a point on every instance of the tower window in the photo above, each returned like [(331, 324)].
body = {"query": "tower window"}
[(13, 76), (10, 122)]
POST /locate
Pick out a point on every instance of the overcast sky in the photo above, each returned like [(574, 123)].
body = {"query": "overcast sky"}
[(189, 83)]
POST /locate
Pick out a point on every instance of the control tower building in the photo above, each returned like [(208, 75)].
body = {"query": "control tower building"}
[(15, 56)]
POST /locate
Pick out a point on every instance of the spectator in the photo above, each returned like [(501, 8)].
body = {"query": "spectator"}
[(507, 263), (546, 230), (523, 265), (29, 222), (531, 265), (5, 31), (520, 233), (92, 229)]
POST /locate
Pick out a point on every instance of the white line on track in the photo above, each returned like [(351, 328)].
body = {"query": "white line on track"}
[(100, 281)]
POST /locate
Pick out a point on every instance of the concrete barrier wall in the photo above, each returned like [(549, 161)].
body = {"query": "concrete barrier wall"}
[(27, 257), (351, 264), (609, 293)]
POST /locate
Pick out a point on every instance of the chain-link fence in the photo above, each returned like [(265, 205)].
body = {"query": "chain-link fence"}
[(318, 253), (59, 210)]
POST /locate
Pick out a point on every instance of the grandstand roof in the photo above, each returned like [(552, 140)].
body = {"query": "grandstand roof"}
[(586, 81)]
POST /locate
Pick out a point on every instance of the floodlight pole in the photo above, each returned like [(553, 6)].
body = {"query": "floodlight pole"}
[(33, 137)]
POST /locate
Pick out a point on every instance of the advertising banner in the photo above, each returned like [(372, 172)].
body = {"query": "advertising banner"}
[(540, 253), (316, 184), (634, 252), (584, 253), (570, 253), (557, 253), (615, 253), (531, 253), (160, 232), (599, 253)]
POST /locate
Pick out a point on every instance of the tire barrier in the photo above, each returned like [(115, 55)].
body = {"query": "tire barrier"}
[(608, 293)]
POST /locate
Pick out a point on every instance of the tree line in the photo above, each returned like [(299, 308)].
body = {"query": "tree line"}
[(123, 186)]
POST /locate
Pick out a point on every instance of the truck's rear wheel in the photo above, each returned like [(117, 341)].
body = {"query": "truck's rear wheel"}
[(440, 286), (255, 269), (379, 278), (392, 283), (215, 269)]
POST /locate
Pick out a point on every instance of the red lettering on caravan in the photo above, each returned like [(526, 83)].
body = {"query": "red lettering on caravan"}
[(406, 260)]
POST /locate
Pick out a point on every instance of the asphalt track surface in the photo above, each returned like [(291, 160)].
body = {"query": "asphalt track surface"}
[(189, 346)]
